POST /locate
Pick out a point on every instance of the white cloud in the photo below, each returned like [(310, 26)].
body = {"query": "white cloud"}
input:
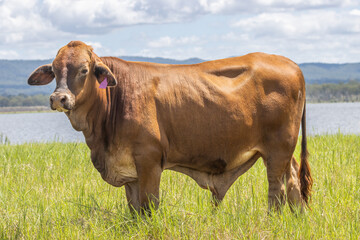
[(35, 19), (20, 22), (175, 53), (8, 54), (96, 46), (234, 6), (37, 28), (162, 42), (313, 35), (170, 42), (101, 50), (305, 25), (355, 12)]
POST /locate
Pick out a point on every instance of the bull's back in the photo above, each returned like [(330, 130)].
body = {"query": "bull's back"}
[(230, 92)]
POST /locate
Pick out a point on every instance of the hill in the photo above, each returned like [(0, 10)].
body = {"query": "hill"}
[(330, 73), (14, 73)]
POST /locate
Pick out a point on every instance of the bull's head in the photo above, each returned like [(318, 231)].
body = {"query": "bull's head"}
[(75, 68)]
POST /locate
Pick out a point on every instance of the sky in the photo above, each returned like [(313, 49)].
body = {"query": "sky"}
[(302, 30)]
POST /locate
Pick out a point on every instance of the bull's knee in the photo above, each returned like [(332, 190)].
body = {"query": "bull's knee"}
[(276, 195)]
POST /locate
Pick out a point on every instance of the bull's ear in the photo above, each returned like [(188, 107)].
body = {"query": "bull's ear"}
[(102, 72), (42, 75)]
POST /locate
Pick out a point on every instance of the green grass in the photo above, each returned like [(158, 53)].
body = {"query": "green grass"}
[(52, 191)]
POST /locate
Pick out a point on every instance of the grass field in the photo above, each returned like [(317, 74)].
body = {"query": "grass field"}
[(52, 191)]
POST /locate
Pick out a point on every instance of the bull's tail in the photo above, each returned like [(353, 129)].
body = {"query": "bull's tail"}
[(306, 180)]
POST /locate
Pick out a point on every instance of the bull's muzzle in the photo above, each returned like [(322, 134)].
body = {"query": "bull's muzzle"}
[(61, 101)]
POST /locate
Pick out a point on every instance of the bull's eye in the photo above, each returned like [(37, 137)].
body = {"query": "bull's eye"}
[(84, 71)]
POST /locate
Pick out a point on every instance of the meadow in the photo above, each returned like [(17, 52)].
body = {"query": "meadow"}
[(52, 191)]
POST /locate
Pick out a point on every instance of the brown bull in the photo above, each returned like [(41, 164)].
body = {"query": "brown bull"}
[(210, 121)]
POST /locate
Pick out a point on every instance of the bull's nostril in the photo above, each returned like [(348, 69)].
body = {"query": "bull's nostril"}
[(63, 99)]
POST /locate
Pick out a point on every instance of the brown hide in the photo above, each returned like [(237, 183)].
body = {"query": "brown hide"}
[(211, 121)]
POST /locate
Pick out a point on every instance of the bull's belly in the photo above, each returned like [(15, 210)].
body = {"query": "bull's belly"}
[(241, 158), (211, 165), (219, 182)]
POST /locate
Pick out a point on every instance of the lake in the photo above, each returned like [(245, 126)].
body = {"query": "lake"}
[(44, 127)]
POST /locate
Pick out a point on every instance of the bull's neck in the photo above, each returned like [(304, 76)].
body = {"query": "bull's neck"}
[(96, 117)]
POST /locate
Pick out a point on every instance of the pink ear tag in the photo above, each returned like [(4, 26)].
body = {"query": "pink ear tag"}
[(104, 83)]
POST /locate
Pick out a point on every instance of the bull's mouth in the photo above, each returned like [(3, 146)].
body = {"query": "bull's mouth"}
[(62, 110)]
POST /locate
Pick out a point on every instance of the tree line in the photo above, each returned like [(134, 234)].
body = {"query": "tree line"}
[(22, 100), (334, 92), (327, 92)]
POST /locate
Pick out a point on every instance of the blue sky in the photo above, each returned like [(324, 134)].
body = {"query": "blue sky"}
[(303, 30)]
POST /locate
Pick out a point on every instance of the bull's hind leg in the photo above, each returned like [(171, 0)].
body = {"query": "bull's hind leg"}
[(293, 185), (276, 165)]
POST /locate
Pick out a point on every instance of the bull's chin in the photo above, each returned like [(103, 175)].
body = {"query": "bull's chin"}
[(60, 109)]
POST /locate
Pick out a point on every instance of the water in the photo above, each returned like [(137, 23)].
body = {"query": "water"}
[(38, 127), (333, 118), (44, 127)]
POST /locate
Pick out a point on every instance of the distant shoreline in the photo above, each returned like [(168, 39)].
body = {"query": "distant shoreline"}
[(23, 109)]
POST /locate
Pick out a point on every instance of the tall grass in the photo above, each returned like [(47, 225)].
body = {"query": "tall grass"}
[(52, 191)]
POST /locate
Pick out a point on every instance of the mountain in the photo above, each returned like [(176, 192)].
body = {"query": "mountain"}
[(14, 73), (330, 73), (162, 60)]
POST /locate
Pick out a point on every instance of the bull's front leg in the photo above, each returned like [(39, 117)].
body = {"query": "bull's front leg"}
[(148, 167), (132, 196)]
